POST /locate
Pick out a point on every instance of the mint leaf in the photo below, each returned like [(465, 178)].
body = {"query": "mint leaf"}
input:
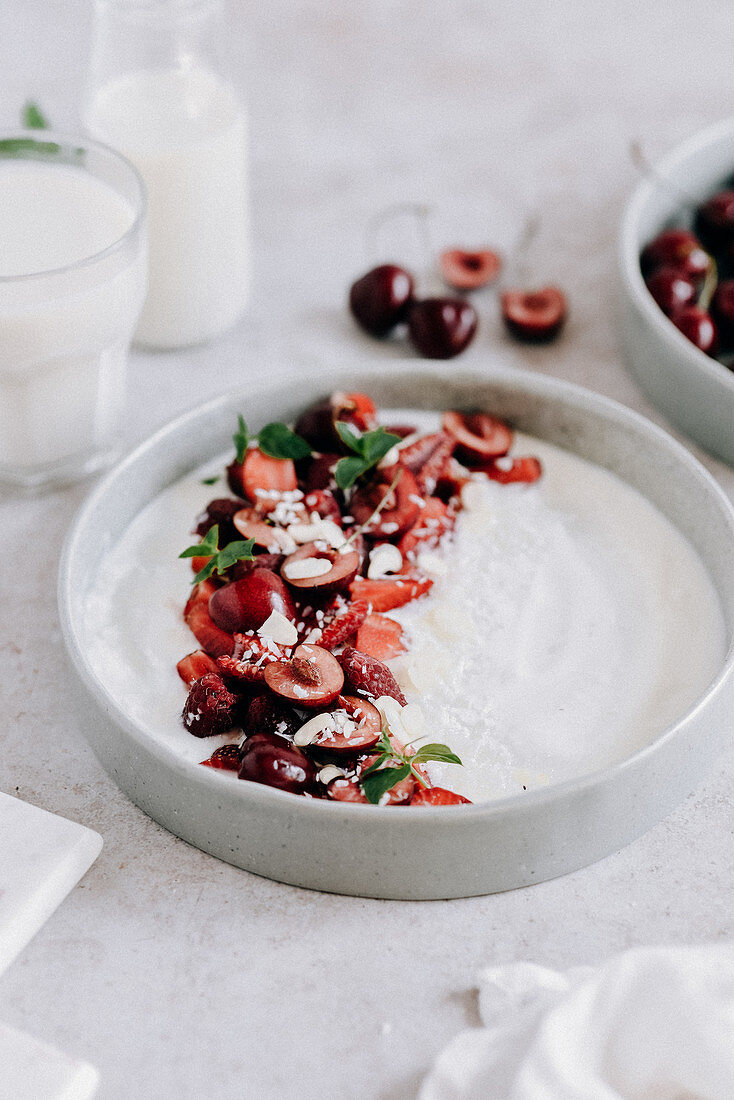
[(208, 545), (11, 147), (32, 118), (349, 438), (219, 560), (210, 480), (368, 450), (377, 783), (241, 438), (348, 470), (436, 751), (278, 441)]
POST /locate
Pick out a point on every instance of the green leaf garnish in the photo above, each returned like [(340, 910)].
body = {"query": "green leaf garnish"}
[(393, 765), (219, 560), (210, 480), (278, 441), (241, 438), (32, 117), (368, 449)]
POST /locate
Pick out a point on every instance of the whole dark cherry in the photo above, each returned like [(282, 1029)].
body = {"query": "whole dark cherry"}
[(722, 310), (698, 326), (715, 221), (380, 299), (671, 288), (441, 328), (677, 248)]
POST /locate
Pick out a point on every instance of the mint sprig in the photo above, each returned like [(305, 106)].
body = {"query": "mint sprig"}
[(392, 766), (276, 440), (367, 450), (32, 117), (219, 560)]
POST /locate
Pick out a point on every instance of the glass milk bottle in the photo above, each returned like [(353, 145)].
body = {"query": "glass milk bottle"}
[(158, 92)]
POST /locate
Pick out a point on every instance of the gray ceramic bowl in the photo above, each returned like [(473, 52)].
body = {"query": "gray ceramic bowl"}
[(380, 851), (694, 391)]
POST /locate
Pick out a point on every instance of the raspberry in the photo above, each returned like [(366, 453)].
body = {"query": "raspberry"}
[(267, 715), (343, 626), (249, 657), (369, 675), (209, 707)]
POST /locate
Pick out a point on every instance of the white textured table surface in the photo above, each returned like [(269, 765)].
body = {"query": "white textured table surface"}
[(176, 975)]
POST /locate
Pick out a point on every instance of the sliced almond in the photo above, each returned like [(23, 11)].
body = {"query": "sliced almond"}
[(306, 567), (280, 629), (329, 773), (384, 559), (320, 723)]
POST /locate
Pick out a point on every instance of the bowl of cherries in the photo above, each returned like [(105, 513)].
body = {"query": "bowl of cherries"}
[(677, 282)]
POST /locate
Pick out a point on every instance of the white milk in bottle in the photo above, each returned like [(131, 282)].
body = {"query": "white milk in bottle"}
[(158, 96)]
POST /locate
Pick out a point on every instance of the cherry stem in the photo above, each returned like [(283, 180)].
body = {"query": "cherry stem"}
[(420, 214), (358, 530), (709, 285), (643, 165), (517, 254)]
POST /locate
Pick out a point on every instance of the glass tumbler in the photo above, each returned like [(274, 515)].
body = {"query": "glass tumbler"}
[(72, 283)]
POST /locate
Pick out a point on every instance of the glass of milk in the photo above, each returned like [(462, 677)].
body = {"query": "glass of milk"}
[(158, 92), (72, 284)]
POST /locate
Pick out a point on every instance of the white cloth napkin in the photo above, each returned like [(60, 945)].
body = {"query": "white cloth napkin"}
[(654, 1023)]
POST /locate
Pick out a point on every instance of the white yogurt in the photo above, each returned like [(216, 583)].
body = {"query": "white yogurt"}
[(63, 336), (184, 129), (573, 624)]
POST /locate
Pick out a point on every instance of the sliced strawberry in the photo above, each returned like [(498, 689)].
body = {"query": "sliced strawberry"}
[(345, 625), (250, 656), (369, 675), (389, 592), (345, 790), (452, 479), (211, 638), (194, 665), (360, 410), (437, 796), (435, 519), (197, 564), (227, 758), (428, 476), (263, 474), (525, 469), (380, 637), (415, 455)]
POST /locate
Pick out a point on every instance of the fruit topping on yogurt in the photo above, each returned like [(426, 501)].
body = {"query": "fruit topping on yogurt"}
[(331, 527)]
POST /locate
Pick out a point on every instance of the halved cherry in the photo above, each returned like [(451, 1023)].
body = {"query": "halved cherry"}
[(534, 316), (310, 558), (250, 525), (311, 678), (246, 604), (320, 473), (525, 468), (478, 436), (400, 511), (365, 722), (270, 759), (345, 790), (466, 270)]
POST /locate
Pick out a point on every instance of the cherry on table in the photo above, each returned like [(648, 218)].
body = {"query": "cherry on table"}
[(465, 270), (534, 316), (380, 299), (698, 326), (441, 328)]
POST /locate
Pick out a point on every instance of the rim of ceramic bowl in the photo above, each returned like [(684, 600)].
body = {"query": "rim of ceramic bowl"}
[(208, 780), (630, 246)]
